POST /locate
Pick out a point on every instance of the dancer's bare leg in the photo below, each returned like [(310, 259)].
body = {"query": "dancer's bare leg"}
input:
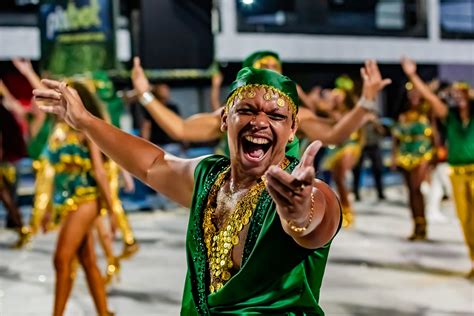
[(12, 208), (344, 164), (75, 227), (414, 178), (88, 260), (105, 236)]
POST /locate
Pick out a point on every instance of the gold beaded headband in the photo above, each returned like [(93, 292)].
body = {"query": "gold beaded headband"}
[(271, 93)]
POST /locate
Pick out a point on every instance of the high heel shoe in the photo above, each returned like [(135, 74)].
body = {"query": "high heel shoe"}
[(24, 237), (419, 232), (113, 270), (470, 275), (129, 250)]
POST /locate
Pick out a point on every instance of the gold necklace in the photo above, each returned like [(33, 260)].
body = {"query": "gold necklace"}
[(220, 243)]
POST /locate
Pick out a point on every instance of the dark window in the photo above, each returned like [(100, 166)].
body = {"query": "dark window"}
[(402, 18), (457, 18)]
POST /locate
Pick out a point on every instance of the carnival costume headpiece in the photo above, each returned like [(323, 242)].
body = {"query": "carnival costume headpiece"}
[(277, 86), (258, 58)]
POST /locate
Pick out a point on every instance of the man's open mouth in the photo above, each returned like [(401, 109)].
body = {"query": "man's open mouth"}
[(255, 147)]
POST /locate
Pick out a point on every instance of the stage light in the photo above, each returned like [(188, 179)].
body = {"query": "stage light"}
[(247, 2)]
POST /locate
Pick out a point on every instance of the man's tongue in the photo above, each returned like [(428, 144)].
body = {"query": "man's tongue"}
[(255, 151)]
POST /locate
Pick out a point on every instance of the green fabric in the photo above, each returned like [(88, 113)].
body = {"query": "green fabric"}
[(254, 57), (414, 140), (115, 109), (460, 140), (277, 275), (37, 144), (74, 157), (248, 76), (106, 93), (344, 82)]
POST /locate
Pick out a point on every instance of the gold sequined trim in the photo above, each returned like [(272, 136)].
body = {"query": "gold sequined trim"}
[(220, 242), (270, 93)]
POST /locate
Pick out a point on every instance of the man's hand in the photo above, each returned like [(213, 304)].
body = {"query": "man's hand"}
[(139, 79), (292, 192), (372, 80), (408, 65), (63, 101)]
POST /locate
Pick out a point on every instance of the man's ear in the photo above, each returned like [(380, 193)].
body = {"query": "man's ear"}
[(294, 128), (224, 118)]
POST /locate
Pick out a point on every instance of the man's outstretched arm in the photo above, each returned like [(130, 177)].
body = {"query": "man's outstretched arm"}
[(165, 173)]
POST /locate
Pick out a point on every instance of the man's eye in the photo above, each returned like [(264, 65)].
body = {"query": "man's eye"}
[(277, 117), (244, 111)]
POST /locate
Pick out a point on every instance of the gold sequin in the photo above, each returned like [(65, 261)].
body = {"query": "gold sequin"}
[(226, 275), (280, 102), (235, 240)]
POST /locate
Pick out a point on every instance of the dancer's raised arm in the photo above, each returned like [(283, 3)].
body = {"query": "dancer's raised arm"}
[(167, 174), (439, 108), (315, 128), (197, 128)]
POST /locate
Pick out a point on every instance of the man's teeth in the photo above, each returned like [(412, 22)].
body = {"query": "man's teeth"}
[(257, 140)]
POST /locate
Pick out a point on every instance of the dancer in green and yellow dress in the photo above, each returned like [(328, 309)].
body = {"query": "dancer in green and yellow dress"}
[(80, 189), (458, 119), (341, 158), (412, 153)]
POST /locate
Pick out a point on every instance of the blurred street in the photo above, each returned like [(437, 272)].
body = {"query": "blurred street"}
[(372, 270)]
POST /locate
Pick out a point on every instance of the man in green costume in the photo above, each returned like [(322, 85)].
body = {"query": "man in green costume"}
[(260, 225)]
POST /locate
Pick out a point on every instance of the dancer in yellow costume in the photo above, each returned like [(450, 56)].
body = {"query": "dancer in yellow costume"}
[(341, 158), (459, 122), (12, 148), (413, 152), (40, 129), (81, 189)]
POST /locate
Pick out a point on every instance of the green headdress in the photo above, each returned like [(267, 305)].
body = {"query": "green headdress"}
[(345, 83), (277, 86), (461, 85), (254, 59)]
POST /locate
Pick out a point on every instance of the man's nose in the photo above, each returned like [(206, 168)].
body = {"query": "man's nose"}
[(260, 120)]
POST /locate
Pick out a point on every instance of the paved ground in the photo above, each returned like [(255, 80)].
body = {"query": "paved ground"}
[(372, 270)]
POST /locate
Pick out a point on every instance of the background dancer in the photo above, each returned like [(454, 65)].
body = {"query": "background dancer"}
[(80, 186), (12, 148), (413, 152), (459, 124)]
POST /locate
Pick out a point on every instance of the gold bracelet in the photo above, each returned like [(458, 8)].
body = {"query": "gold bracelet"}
[(298, 229)]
